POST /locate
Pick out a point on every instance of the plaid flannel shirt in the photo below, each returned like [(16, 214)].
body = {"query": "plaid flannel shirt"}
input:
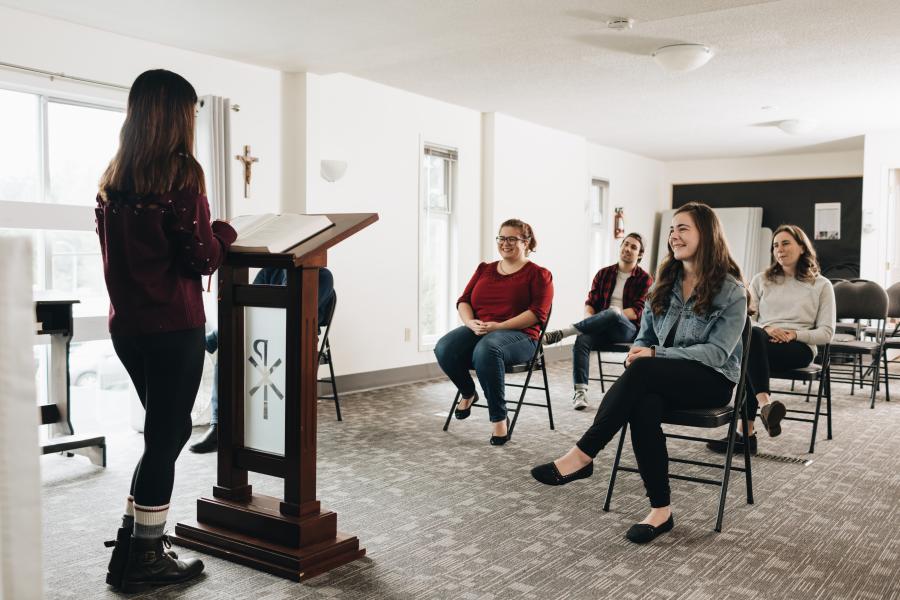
[(633, 296)]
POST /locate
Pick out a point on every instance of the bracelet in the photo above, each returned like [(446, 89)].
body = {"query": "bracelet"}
[(653, 351)]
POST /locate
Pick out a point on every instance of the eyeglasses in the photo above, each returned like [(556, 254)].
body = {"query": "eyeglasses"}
[(509, 240)]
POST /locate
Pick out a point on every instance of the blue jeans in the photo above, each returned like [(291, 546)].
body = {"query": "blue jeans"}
[(269, 276), (461, 350), (605, 327)]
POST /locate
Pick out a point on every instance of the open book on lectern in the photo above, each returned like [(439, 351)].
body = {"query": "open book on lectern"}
[(275, 233)]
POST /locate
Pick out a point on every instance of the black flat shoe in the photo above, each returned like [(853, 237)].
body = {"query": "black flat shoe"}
[(721, 446), (499, 440), (464, 413), (641, 533), (209, 443), (548, 474)]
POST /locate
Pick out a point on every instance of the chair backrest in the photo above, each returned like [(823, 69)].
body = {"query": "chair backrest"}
[(740, 390), (860, 299), (893, 293)]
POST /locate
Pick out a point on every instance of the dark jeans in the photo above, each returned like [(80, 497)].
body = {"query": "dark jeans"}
[(766, 356), (461, 350), (605, 327), (166, 369), (270, 276), (648, 388)]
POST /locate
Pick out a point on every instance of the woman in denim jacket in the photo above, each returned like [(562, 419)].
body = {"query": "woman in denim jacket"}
[(687, 355)]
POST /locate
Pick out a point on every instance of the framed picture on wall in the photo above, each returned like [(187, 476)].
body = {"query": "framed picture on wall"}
[(828, 221)]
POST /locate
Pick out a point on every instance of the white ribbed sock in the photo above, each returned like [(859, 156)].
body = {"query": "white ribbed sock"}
[(128, 517), (570, 330), (150, 521)]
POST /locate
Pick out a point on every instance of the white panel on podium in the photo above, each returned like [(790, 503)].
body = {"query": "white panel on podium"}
[(264, 378)]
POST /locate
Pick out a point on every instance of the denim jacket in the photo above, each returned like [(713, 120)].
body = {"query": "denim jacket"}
[(713, 339)]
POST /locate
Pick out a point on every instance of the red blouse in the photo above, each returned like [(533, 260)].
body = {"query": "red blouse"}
[(496, 297)]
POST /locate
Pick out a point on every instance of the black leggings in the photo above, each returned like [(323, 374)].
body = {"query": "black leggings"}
[(648, 388), (166, 369), (765, 356)]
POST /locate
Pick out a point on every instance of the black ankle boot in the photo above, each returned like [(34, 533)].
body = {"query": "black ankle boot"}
[(210, 441), (150, 565), (119, 559)]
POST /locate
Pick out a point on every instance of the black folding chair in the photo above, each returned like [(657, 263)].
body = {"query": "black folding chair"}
[(860, 299), (536, 362), (706, 418), (892, 338), (809, 374), (617, 348), (325, 359)]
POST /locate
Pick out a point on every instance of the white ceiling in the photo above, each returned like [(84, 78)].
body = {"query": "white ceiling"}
[(554, 62)]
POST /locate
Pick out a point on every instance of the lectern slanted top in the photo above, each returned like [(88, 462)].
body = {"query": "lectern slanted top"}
[(274, 373)]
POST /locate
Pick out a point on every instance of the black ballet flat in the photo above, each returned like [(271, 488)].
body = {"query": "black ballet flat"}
[(499, 440), (464, 414), (548, 474), (641, 533)]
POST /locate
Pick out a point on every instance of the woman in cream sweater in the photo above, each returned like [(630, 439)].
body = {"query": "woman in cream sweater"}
[(795, 312)]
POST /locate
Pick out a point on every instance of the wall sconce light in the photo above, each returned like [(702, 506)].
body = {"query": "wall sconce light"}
[(332, 170)]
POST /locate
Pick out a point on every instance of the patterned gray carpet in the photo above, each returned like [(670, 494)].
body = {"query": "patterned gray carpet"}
[(446, 515)]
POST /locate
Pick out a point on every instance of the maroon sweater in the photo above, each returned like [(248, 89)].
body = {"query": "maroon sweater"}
[(155, 248), (496, 297)]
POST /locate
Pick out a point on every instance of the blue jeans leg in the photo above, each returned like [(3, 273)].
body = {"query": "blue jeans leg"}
[(454, 355), (605, 327), (492, 353)]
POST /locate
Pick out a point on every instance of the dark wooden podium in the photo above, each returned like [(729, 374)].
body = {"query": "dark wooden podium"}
[(293, 536)]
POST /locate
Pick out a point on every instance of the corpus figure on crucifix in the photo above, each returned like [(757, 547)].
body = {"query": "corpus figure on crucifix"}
[(248, 161)]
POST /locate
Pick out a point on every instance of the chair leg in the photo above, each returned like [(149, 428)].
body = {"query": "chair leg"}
[(748, 474), (887, 377), (452, 408), (729, 454), (512, 424), (600, 370), (815, 427), (337, 402), (828, 399), (547, 393), (853, 377), (876, 379), (615, 468)]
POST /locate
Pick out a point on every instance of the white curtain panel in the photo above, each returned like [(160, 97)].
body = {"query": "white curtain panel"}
[(20, 481), (214, 154)]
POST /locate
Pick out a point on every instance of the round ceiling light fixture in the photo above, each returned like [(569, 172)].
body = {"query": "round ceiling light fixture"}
[(682, 57), (620, 23), (797, 126)]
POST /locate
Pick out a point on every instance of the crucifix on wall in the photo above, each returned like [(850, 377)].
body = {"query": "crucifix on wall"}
[(247, 161)]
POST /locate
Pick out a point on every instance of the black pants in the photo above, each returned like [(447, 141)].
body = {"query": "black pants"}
[(766, 355), (648, 388), (166, 369)]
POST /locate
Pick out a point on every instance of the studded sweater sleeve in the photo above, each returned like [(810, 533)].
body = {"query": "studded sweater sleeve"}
[(200, 245)]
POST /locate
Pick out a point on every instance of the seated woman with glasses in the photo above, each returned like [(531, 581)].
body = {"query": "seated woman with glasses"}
[(687, 355), (794, 312), (502, 309)]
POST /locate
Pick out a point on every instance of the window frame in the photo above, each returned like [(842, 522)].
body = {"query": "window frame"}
[(602, 251), (450, 156), (40, 215)]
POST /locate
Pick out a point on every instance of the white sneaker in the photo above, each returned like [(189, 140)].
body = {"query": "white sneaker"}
[(579, 400)]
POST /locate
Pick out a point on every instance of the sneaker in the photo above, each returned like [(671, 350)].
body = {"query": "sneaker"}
[(771, 415), (552, 337), (721, 446), (579, 400)]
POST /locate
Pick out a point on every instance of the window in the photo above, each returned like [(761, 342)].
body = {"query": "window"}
[(436, 285), (54, 152), (599, 227)]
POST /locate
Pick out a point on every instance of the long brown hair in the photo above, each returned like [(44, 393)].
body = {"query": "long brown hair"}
[(807, 266), (156, 143), (527, 233), (713, 260)]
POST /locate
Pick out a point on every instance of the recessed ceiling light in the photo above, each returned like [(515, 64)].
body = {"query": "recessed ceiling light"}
[(797, 126), (768, 107), (620, 23), (682, 57)]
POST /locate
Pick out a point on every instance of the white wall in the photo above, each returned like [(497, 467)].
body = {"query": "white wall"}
[(543, 176), (379, 131), (882, 153), (35, 41)]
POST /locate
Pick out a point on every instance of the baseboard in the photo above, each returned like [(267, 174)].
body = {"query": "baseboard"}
[(371, 380)]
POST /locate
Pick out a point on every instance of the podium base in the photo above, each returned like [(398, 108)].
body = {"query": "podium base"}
[(298, 564)]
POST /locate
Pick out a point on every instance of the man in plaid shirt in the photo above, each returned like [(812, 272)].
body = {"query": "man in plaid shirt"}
[(612, 312)]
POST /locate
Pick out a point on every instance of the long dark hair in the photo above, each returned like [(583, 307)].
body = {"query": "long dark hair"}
[(156, 144), (807, 267), (713, 259)]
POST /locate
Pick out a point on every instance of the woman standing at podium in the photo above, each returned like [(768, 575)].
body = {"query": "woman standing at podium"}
[(502, 309), (157, 241)]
